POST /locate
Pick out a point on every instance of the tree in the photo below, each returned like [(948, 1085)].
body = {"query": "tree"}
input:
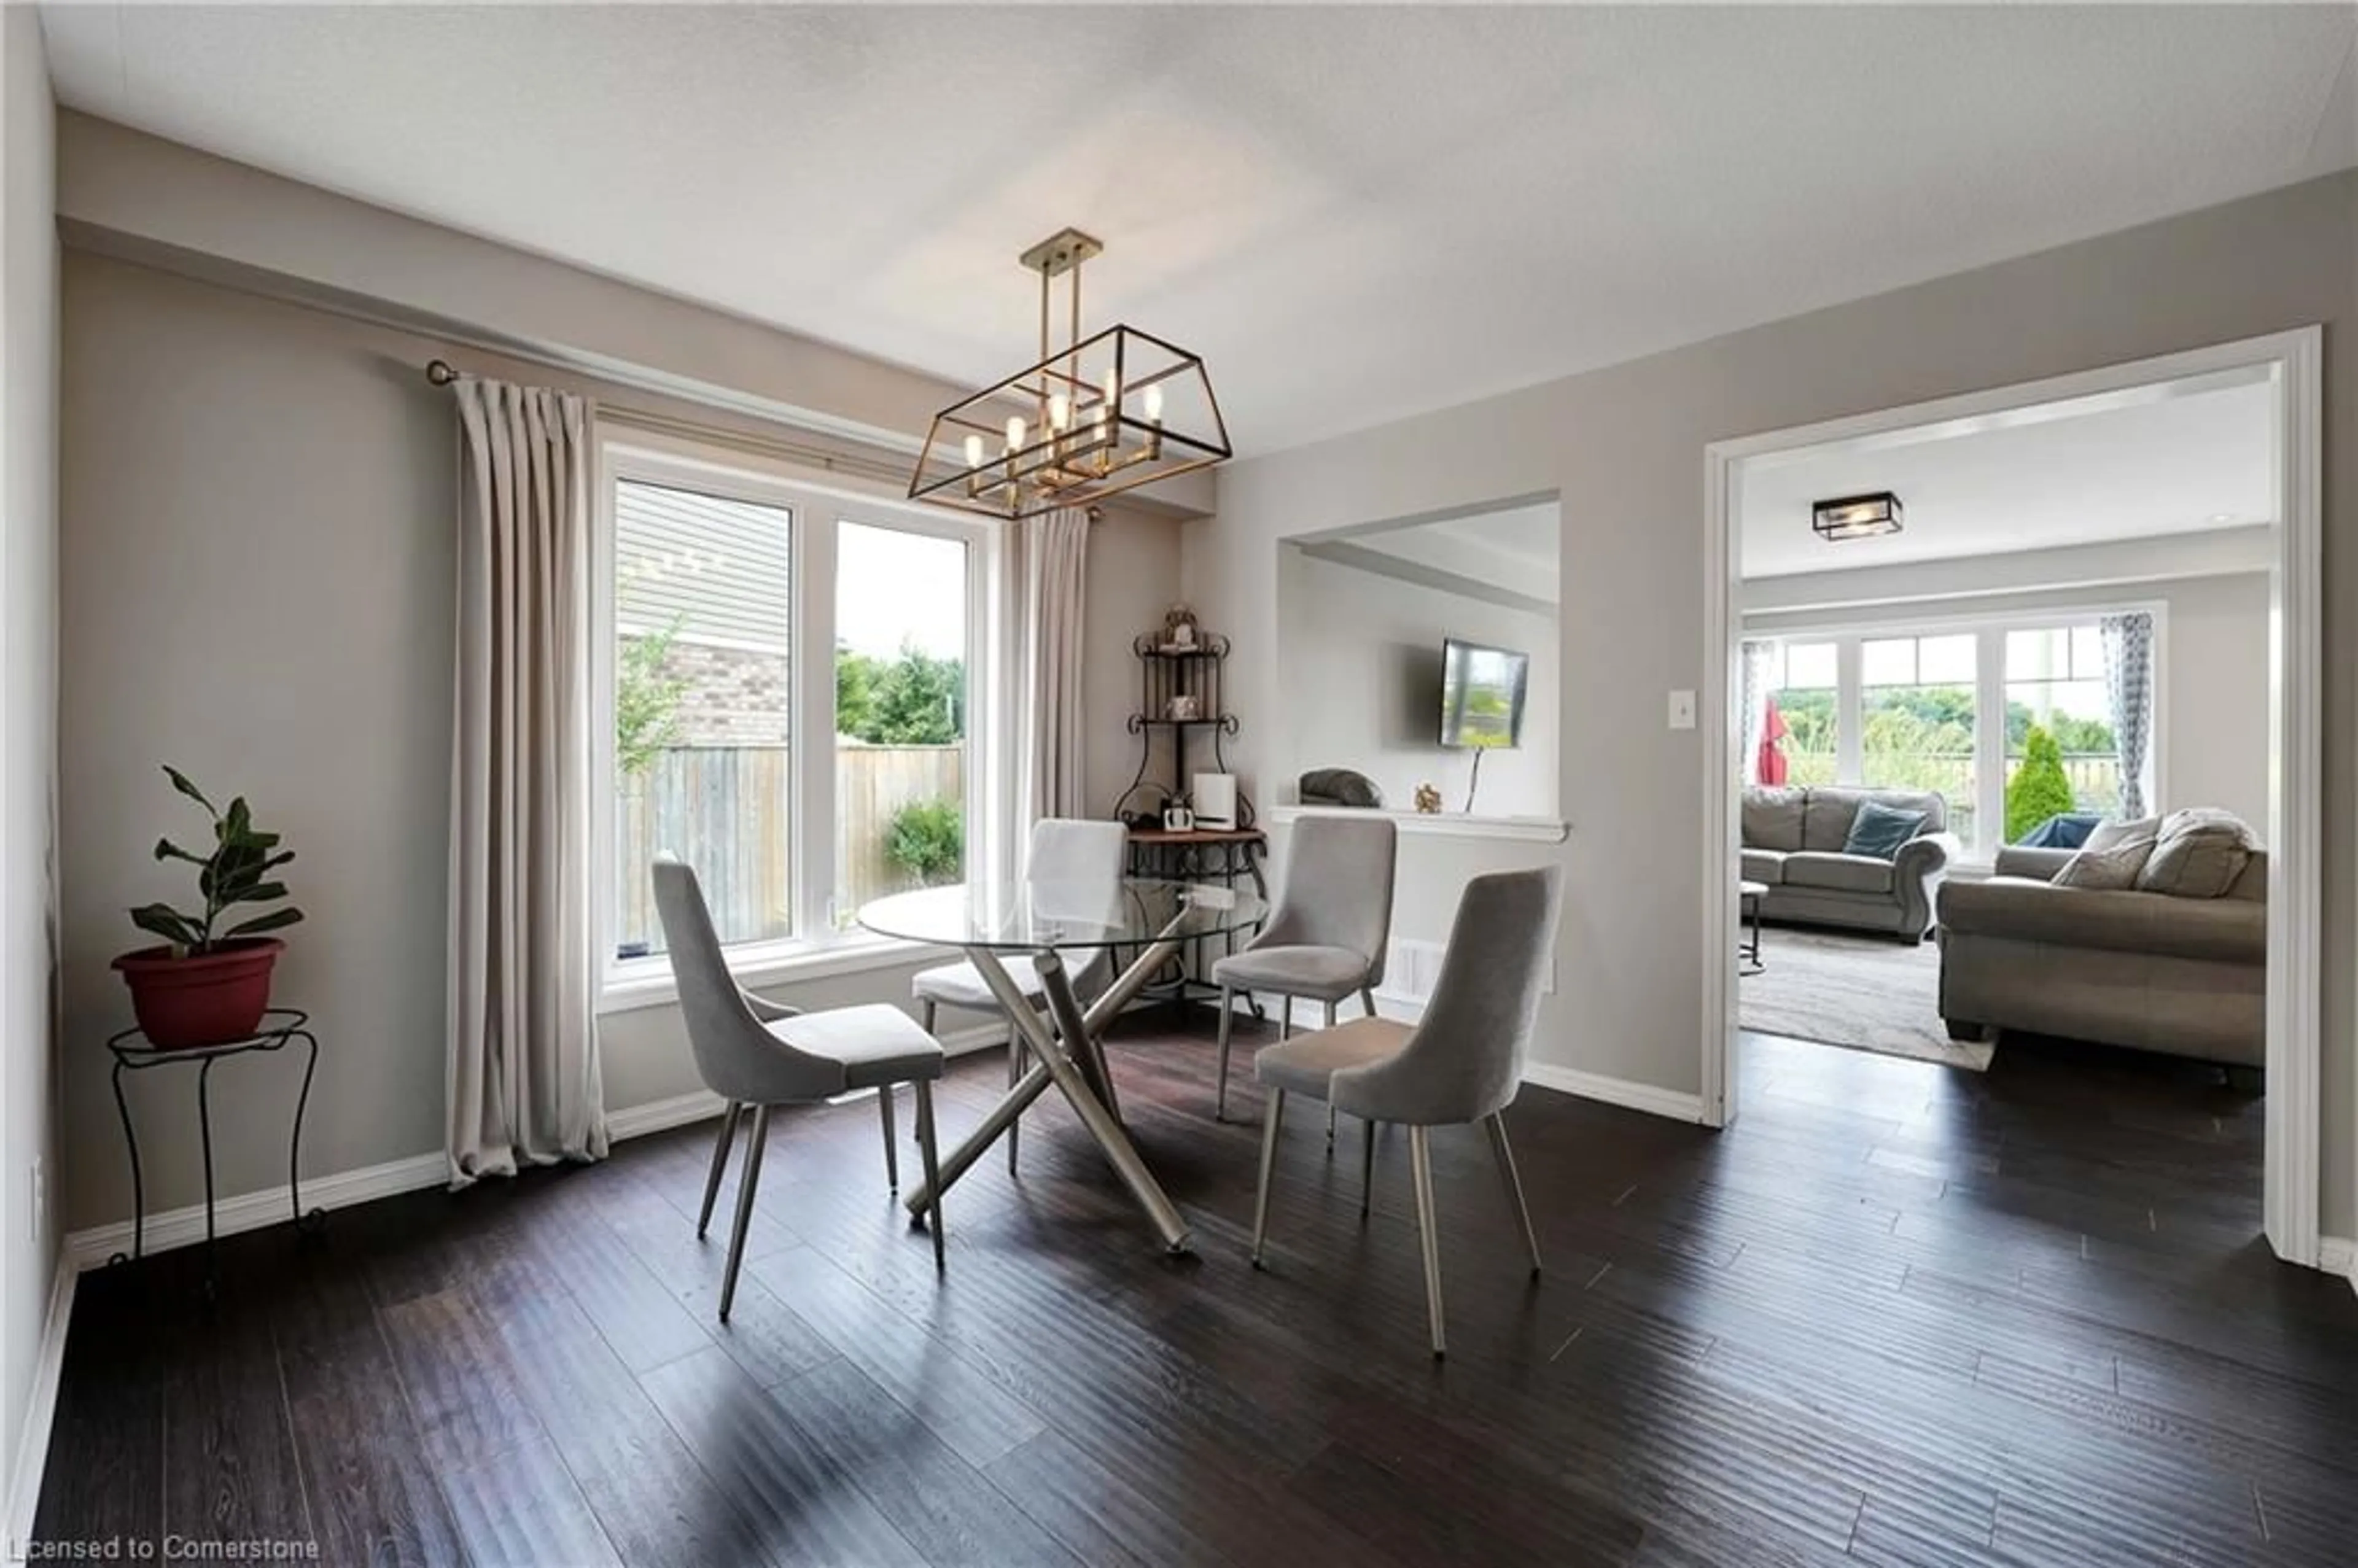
[(916, 700), (2038, 789), (646, 700)]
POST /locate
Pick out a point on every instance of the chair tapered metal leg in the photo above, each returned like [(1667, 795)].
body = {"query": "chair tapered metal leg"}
[(1330, 1104), (1285, 1018), (891, 1155), (929, 1029), (1367, 1172), (746, 1183), (933, 1171), (1420, 1156), (1269, 1124), (1228, 1020), (1367, 997), (728, 1116), (1496, 1123), (1015, 1059)]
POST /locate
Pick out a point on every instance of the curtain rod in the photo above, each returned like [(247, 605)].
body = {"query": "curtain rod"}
[(442, 372)]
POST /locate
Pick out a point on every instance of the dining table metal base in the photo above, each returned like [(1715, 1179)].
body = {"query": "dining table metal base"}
[(1070, 1058)]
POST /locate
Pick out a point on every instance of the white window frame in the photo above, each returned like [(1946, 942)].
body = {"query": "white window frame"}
[(1849, 637), (817, 509)]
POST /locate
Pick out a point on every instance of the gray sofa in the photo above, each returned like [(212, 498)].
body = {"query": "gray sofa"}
[(2186, 976), (1793, 838)]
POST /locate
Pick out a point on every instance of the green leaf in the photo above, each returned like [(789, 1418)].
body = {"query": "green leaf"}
[(259, 893), (239, 823), (180, 782), (275, 920), (163, 920), (167, 851)]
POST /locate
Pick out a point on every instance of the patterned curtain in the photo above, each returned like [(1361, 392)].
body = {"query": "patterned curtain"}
[(2128, 686)]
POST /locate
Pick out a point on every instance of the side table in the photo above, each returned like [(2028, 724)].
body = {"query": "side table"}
[(132, 1054), (1749, 896)]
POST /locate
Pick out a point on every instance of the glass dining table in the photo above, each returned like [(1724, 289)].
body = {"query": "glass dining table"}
[(1147, 921)]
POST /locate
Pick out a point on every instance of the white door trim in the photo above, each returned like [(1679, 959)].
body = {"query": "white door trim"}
[(2293, 362)]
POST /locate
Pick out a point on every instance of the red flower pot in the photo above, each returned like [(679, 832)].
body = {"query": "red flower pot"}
[(204, 999)]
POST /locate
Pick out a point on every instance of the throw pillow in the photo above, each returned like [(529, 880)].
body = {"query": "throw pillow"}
[(1879, 830), (2113, 835), (2198, 855), (2114, 869)]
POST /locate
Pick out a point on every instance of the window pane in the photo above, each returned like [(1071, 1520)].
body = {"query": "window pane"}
[(702, 667), (1917, 734), (1948, 659), (2087, 652), (2041, 654), (1887, 661), (1810, 664), (901, 707)]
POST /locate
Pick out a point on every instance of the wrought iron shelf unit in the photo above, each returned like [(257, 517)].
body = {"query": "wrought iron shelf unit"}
[(1179, 695)]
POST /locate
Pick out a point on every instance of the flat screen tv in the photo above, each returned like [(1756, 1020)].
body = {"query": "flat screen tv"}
[(1482, 692)]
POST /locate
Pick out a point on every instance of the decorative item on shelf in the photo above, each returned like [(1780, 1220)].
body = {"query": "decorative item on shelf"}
[(1428, 799), (1340, 786), (1178, 818), (1099, 416), (1179, 631), (210, 985), (1186, 707), (1214, 800), (1856, 516)]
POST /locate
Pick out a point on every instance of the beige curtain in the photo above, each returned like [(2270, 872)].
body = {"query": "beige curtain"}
[(523, 1080), (1055, 550)]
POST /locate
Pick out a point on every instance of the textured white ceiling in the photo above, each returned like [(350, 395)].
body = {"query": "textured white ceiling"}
[(2179, 464), (1354, 214)]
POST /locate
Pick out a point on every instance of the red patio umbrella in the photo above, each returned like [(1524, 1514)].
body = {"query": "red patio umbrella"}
[(1770, 767)]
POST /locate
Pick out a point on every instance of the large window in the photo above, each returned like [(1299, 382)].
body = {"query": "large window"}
[(789, 693), (1917, 702), (1803, 681), (1951, 709), (2055, 682)]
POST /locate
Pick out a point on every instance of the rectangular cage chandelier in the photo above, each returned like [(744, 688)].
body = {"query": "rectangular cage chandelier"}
[(1100, 415)]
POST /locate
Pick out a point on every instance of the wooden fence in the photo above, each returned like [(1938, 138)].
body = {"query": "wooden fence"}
[(727, 812)]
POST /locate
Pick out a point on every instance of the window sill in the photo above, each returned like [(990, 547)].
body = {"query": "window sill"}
[(648, 983), (1442, 824)]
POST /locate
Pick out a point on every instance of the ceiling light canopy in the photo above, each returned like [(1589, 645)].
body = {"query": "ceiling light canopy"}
[(1856, 516), (1100, 415)]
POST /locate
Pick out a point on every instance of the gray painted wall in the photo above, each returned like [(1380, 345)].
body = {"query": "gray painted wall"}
[(1365, 651), (296, 466), (28, 539), (1624, 447)]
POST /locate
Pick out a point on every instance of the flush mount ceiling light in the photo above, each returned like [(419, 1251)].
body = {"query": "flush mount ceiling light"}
[(1092, 419), (1856, 516)]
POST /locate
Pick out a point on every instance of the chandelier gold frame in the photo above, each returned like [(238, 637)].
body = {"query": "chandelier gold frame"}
[(1086, 422)]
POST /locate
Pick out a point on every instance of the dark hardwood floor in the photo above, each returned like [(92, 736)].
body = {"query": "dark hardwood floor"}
[(1900, 1315)]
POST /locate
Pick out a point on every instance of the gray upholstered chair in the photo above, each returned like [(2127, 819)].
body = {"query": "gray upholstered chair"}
[(1461, 1064), (1327, 936), (757, 1053), (1067, 852)]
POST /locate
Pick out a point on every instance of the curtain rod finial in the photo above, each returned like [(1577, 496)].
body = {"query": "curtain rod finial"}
[(439, 372)]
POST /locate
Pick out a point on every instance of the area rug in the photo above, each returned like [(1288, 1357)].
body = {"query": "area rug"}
[(1865, 993)]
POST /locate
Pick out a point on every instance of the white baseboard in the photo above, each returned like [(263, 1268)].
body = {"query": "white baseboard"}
[(2339, 1255), (40, 1409), (1623, 1092), (252, 1211)]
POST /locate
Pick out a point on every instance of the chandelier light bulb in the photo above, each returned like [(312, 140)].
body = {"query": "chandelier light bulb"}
[(1154, 405), (1060, 412), (1113, 387), (974, 452), (1014, 432)]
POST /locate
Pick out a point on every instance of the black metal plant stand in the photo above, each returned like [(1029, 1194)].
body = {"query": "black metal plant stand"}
[(132, 1054)]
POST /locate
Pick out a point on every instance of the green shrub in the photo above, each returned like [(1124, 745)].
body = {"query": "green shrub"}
[(2038, 789), (927, 840)]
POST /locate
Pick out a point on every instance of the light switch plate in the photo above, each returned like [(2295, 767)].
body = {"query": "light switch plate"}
[(1682, 710)]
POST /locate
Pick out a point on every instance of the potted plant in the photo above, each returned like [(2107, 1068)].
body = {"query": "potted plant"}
[(210, 983)]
